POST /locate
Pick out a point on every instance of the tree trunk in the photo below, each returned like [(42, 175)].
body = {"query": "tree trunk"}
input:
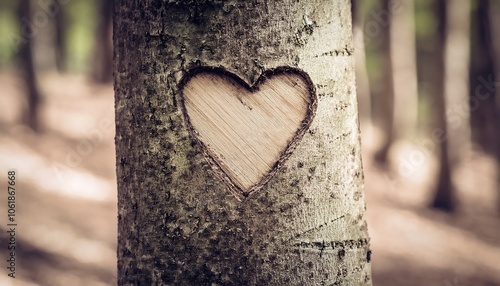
[(26, 57), (456, 79), (102, 71), (60, 39), (404, 70), (453, 113), (362, 80), (184, 218), (495, 40), (444, 197), (482, 99), (385, 103)]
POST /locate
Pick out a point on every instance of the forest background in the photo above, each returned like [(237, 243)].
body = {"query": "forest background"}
[(428, 74)]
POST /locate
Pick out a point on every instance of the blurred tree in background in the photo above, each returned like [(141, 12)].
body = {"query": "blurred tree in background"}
[(102, 70), (384, 105), (25, 47), (429, 48), (60, 26), (55, 35)]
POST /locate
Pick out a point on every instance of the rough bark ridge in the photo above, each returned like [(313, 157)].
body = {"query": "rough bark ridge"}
[(178, 224)]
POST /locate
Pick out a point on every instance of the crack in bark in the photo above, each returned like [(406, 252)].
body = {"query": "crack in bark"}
[(324, 245), (342, 52), (297, 235), (330, 246)]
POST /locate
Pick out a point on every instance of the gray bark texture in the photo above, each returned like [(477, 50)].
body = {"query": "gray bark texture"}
[(178, 224)]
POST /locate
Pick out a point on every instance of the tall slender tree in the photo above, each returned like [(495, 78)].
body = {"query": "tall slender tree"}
[(482, 80), (60, 31), (444, 195), (362, 80), (403, 55), (103, 48), (457, 43), (26, 58), (455, 140), (384, 103), (495, 40)]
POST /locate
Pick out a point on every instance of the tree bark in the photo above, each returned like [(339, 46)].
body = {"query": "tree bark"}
[(178, 224), (404, 70), (495, 40), (385, 103), (482, 98), (457, 80), (362, 80), (26, 57), (102, 71), (444, 195), (60, 39)]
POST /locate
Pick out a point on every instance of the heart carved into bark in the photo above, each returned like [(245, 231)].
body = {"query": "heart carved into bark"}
[(247, 132)]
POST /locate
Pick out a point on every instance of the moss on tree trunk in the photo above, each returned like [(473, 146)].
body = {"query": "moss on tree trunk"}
[(177, 222)]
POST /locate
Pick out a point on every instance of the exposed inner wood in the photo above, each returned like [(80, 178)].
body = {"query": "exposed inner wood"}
[(246, 132)]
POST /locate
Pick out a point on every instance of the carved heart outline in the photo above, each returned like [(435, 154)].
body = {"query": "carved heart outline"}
[(238, 192)]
